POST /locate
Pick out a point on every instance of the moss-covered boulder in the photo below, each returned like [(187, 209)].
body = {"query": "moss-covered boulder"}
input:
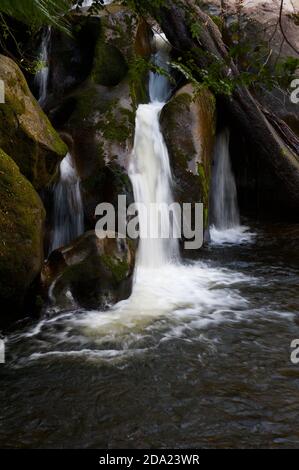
[(21, 226), (96, 272), (188, 124), (26, 134)]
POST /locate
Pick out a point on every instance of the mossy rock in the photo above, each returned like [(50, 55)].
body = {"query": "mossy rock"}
[(21, 224), (102, 128), (110, 66), (95, 271), (188, 123), (26, 134)]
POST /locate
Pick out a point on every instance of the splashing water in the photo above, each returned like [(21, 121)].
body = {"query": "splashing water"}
[(42, 76), (226, 227), (68, 207)]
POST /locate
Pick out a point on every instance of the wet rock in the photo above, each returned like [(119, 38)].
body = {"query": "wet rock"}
[(26, 134), (188, 125), (90, 272), (21, 225)]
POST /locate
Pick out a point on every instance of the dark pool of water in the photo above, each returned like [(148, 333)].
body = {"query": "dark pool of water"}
[(228, 382)]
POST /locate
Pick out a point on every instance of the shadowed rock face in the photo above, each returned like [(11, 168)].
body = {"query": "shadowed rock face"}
[(94, 271), (21, 226), (26, 134)]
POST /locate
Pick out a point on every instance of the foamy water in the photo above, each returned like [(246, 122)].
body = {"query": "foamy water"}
[(238, 235)]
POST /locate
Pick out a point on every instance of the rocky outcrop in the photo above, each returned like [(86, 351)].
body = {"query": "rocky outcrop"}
[(91, 272), (252, 27), (21, 222), (99, 113), (26, 134), (274, 144), (188, 123)]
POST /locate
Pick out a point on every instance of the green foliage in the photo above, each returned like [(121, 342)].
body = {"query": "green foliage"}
[(195, 29), (37, 13), (138, 71), (210, 77), (144, 7)]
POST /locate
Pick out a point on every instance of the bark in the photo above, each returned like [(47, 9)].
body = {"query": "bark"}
[(275, 142)]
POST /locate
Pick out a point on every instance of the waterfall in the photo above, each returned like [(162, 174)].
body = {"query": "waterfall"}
[(225, 214), (150, 172), (41, 78), (68, 207), (224, 193), (159, 89)]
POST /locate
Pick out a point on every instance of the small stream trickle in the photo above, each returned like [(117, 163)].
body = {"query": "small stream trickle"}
[(68, 219), (225, 217), (42, 76)]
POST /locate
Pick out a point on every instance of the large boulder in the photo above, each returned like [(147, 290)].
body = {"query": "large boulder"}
[(96, 272), (21, 225), (99, 113), (26, 134), (188, 124)]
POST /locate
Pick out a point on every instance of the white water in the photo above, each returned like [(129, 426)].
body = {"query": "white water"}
[(150, 173), (42, 75), (68, 207), (226, 226), (88, 3)]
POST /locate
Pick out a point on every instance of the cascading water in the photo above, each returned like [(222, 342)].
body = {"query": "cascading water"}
[(68, 207), (226, 226), (150, 172), (41, 78)]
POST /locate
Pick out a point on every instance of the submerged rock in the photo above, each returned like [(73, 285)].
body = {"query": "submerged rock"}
[(26, 134), (21, 226), (188, 124), (90, 272)]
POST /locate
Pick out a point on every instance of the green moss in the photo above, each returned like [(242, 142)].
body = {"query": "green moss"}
[(26, 134), (117, 128), (118, 268), (110, 66), (21, 219)]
